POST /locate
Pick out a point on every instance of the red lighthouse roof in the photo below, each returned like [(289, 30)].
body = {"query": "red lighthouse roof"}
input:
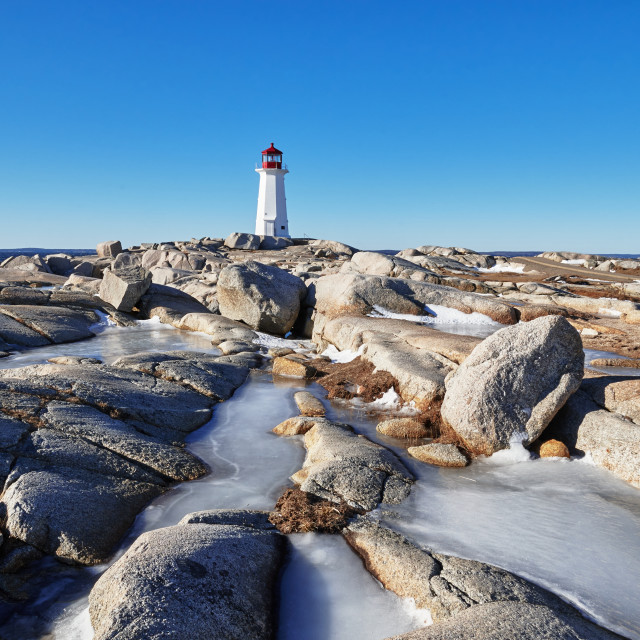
[(272, 150)]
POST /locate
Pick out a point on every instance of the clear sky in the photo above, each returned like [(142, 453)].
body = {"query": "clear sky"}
[(492, 124)]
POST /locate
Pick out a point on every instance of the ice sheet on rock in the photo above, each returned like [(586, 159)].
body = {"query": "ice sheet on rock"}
[(112, 342)]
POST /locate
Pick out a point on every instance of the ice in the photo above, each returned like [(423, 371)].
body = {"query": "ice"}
[(327, 594), (112, 342)]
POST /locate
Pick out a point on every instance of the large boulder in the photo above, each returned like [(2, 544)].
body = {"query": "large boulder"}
[(194, 580), (109, 249), (271, 243), (264, 297), (123, 288), (513, 384), (246, 241)]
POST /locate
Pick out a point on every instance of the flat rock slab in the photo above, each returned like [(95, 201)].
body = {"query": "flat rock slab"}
[(341, 466), (513, 383), (91, 425), (74, 514), (214, 582), (52, 324), (206, 374)]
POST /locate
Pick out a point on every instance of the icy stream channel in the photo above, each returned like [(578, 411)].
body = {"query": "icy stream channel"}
[(566, 525)]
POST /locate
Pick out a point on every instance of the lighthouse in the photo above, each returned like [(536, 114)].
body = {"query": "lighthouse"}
[(272, 205)]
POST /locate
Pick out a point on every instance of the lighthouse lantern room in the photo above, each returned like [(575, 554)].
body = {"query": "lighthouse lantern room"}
[(271, 219)]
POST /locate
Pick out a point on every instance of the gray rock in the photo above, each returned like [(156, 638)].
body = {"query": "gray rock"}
[(26, 263), (83, 283), (74, 514), (215, 582), (342, 466), (512, 620), (59, 263), (272, 243), (57, 449), (56, 324), (109, 249), (264, 297), (11, 431), (616, 394), (170, 305), (333, 245), (236, 517), (612, 442), (204, 373), (466, 598), (231, 347), (91, 425), (127, 393), (15, 333), (125, 260), (123, 288), (513, 383), (246, 241)]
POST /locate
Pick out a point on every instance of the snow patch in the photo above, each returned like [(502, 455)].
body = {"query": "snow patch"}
[(609, 313), (342, 357), (273, 342), (579, 261), (104, 321), (509, 267), (437, 314), (514, 454)]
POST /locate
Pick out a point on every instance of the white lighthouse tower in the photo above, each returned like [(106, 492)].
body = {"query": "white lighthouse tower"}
[(272, 205)]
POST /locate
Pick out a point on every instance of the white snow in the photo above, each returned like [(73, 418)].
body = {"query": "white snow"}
[(342, 357), (508, 267), (579, 261), (438, 314), (609, 313), (514, 454)]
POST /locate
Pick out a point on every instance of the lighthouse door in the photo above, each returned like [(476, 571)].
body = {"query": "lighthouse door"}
[(269, 230)]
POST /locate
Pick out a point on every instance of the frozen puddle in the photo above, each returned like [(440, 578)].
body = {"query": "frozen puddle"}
[(111, 342)]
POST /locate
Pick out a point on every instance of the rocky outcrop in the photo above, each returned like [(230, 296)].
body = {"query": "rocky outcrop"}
[(513, 384), (341, 466), (360, 294), (218, 327), (84, 446), (611, 441), (264, 297), (617, 394), (466, 598), (214, 581), (123, 288)]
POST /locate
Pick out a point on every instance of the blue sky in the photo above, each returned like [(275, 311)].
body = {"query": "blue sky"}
[(491, 124)]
